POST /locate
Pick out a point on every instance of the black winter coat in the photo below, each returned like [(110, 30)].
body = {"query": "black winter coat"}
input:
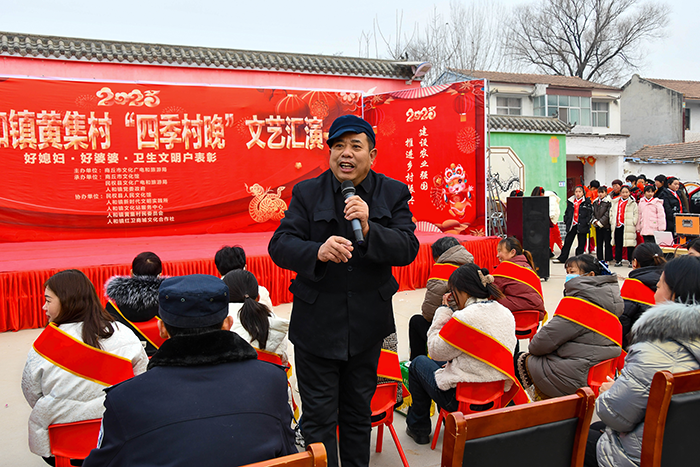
[(205, 401), (671, 207), (649, 276), (585, 213), (343, 309)]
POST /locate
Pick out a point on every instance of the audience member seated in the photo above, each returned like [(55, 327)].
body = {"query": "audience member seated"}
[(694, 247), (134, 299), (230, 258), (252, 320), (448, 255), (665, 337), (473, 291), (563, 351), (206, 399), (63, 387), (638, 290), (518, 295)]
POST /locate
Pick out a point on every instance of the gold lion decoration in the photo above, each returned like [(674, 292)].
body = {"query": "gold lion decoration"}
[(266, 205)]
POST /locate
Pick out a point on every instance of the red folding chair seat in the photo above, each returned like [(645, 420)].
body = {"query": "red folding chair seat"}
[(526, 323), (73, 440), (383, 403)]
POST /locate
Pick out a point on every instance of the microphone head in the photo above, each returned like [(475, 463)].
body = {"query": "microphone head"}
[(347, 188)]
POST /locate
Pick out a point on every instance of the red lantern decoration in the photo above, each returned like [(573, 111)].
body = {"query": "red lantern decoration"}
[(323, 105), (292, 106), (374, 116), (463, 104)]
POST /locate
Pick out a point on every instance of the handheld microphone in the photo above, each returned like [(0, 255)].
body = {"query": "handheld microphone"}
[(348, 190)]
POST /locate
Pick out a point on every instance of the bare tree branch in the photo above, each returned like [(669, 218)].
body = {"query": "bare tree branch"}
[(597, 40)]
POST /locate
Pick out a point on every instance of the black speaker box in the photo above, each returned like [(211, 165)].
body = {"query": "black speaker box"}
[(528, 221)]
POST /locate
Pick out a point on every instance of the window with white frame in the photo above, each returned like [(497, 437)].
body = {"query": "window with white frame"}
[(600, 114), (508, 106), (570, 109)]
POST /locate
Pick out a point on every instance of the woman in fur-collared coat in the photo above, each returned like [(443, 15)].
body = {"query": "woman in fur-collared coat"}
[(623, 223), (135, 298), (665, 337)]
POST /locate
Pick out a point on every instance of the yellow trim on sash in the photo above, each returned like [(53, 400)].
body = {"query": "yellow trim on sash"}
[(471, 354), (133, 325), (495, 274), (588, 327)]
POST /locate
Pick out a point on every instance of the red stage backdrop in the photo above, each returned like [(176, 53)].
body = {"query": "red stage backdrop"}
[(432, 139), (107, 159)]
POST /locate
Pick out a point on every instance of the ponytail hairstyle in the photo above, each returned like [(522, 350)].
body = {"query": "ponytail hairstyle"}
[(648, 254), (79, 304), (512, 243), (243, 288), (474, 281), (537, 191), (585, 263)]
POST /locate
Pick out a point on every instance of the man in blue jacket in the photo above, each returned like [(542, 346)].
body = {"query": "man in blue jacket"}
[(343, 290), (205, 399)]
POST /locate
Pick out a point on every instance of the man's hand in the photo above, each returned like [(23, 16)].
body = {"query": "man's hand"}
[(356, 208), (336, 249)]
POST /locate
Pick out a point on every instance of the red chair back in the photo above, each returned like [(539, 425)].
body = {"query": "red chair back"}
[(526, 323), (469, 394), (73, 440), (600, 372)]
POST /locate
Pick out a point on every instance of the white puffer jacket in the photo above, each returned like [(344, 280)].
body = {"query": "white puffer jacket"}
[(487, 316), (57, 396), (665, 337)]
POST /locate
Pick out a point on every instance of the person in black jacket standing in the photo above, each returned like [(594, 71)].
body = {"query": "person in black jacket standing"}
[(577, 218), (342, 292)]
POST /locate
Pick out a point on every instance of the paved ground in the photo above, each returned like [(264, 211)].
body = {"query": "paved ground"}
[(14, 411)]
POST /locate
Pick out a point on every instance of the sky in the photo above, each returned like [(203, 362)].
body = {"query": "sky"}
[(309, 26)]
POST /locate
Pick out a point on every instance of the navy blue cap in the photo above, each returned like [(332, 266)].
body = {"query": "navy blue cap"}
[(193, 301), (350, 124)]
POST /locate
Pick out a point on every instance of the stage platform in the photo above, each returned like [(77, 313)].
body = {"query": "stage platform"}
[(24, 267)]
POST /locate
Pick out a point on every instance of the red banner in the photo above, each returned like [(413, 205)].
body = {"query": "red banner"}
[(117, 159), (433, 139), (91, 160)]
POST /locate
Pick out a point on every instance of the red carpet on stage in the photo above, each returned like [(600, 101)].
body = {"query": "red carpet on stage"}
[(24, 267)]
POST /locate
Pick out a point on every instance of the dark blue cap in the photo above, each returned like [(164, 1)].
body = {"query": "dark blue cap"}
[(193, 301), (350, 124)]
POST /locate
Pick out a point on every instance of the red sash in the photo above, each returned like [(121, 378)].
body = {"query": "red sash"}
[(635, 291), (442, 271), (621, 205), (577, 204), (485, 348), (147, 329), (519, 273), (680, 204), (592, 317), (388, 366), (74, 356)]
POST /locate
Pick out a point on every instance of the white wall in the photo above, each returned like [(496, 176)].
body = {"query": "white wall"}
[(694, 133), (685, 172)]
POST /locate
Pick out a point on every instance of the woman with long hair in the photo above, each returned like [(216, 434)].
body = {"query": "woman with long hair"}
[(252, 320), (665, 337), (512, 276), (474, 293), (63, 386)]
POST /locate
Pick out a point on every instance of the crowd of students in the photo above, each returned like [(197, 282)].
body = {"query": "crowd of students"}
[(655, 318), (622, 216)]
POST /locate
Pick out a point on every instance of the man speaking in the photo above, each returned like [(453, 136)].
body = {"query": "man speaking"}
[(343, 288)]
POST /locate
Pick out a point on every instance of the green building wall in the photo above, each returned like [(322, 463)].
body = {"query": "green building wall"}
[(541, 169)]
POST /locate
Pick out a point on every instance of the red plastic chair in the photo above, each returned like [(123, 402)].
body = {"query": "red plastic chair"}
[(73, 440), (383, 403), (526, 323), (469, 395), (600, 372)]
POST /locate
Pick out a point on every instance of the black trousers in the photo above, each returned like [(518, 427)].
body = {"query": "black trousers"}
[(619, 240), (649, 239), (603, 247), (418, 335), (337, 393), (595, 432), (569, 240)]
